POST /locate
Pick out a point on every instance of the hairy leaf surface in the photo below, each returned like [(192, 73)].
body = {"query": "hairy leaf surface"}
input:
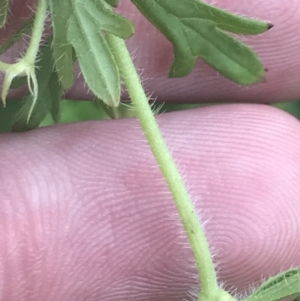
[(82, 26), (62, 49), (283, 285)]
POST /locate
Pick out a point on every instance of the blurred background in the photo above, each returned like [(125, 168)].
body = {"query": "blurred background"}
[(75, 111), (14, 116)]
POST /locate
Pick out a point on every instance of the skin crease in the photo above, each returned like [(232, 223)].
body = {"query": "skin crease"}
[(85, 215)]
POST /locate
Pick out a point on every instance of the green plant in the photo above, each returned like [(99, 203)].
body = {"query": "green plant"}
[(90, 32)]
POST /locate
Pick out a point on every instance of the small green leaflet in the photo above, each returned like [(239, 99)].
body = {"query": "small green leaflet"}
[(49, 95), (283, 285), (4, 7), (198, 29), (79, 24)]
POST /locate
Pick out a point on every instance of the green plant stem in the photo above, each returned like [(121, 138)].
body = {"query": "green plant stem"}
[(189, 218), (35, 40), (26, 65), (37, 31), (4, 66)]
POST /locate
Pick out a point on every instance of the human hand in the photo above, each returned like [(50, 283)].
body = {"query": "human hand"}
[(86, 214)]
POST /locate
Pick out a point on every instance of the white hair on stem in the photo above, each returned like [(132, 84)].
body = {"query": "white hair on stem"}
[(32, 9), (192, 294), (133, 54)]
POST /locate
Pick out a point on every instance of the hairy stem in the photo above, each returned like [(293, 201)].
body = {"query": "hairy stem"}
[(36, 37), (37, 31), (189, 218), (26, 65)]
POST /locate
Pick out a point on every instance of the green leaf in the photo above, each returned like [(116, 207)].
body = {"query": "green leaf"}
[(122, 111), (283, 285), (113, 3), (49, 93), (197, 29), (18, 35), (78, 26), (18, 82), (292, 108), (62, 49), (4, 7), (96, 61), (8, 114), (40, 111), (188, 9), (77, 111), (56, 91)]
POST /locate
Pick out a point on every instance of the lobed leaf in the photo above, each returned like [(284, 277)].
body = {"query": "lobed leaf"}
[(79, 34), (96, 61), (283, 285), (197, 29), (188, 9)]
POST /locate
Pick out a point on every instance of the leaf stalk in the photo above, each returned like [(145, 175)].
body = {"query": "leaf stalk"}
[(26, 65), (189, 218), (37, 31)]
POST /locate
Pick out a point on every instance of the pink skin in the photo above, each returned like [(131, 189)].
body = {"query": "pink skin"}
[(85, 215)]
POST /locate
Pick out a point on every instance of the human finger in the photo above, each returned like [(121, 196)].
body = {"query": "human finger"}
[(87, 216)]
